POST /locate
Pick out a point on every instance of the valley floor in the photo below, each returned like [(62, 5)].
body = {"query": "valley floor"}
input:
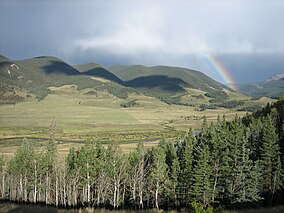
[(71, 116)]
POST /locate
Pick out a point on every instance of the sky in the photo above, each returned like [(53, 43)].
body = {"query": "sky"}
[(246, 37)]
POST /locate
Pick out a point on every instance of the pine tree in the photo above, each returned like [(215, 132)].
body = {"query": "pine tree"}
[(255, 127), (270, 159), (185, 154), (202, 186), (247, 179)]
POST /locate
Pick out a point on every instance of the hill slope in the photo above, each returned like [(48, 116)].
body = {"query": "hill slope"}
[(37, 74), (95, 70), (173, 85), (174, 75), (272, 87)]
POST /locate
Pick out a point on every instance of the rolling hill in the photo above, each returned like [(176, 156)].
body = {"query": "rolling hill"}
[(271, 87), (173, 85), (36, 75), (95, 70), (173, 75)]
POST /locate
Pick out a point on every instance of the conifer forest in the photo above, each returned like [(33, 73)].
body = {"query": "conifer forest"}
[(228, 164)]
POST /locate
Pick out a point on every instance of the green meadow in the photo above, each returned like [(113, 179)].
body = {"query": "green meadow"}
[(72, 116)]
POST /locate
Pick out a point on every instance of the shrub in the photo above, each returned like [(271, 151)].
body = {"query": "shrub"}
[(201, 208)]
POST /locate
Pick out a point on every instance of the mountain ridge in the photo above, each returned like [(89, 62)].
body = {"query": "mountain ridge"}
[(271, 87)]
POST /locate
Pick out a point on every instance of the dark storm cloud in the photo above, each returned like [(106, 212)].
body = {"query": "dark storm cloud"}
[(246, 36)]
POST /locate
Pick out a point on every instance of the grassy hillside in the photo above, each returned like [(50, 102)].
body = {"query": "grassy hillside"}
[(24, 79), (95, 70), (37, 74), (190, 78), (171, 84)]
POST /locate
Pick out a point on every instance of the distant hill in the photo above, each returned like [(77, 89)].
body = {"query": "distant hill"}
[(36, 71), (37, 74), (276, 77), (96, 70), (172, 85), (176, 76), (271, 87)]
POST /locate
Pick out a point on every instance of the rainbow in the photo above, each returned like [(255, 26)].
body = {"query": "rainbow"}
[(221, 70)]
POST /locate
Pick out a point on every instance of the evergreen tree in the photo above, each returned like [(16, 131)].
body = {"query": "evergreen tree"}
[(270, 159), (172, 171), (247, 179), (185, 154), (202, 182), (256, 127)]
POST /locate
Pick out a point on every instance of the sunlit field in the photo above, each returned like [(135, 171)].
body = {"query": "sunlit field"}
[(71, 117)]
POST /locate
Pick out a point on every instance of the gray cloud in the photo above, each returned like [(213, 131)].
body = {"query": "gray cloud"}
[(246, 36)]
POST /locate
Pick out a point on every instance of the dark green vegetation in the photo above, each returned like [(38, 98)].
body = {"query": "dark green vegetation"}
[(229, 164), (272, 87), (132, 103)]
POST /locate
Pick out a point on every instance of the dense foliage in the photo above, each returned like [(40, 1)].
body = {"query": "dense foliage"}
[(217, 96), (8, 94), (228, 164), (128, 104)]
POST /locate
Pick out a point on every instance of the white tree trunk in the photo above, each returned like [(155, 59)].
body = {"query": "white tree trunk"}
[(35, 185), (156, 195)]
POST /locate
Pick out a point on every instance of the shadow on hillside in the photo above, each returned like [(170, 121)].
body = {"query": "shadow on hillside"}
[(161, 81), (103, 73), (58, 67)]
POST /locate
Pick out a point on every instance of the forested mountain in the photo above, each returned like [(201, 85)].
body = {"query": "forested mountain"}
[(272, 87), (229, 164)]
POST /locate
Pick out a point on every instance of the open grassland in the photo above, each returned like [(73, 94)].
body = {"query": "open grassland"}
[(71, 116)]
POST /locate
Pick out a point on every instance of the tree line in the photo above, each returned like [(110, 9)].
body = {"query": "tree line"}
[(228, 164)]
